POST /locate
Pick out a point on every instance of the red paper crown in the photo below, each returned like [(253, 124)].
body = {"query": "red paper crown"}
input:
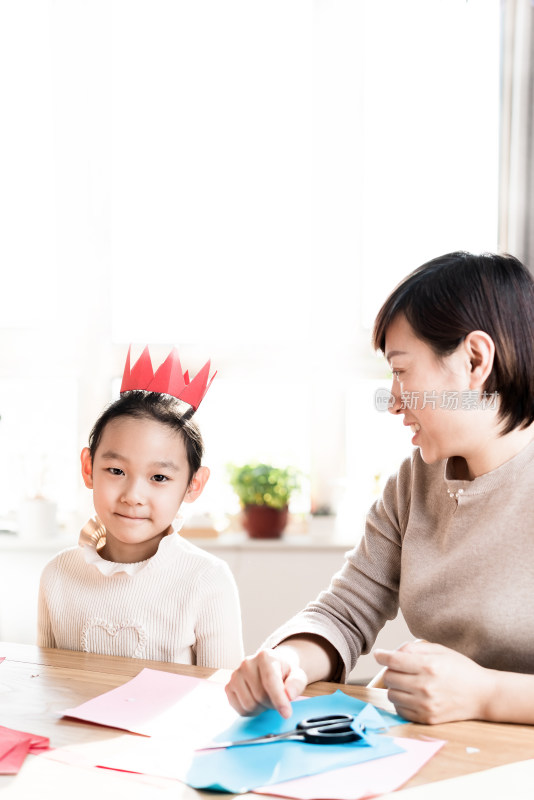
[(168, 379)]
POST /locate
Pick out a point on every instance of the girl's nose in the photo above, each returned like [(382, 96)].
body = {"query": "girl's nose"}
[(132, 493)]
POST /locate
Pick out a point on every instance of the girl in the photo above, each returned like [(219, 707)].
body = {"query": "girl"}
[(133, 586), (451, 540)]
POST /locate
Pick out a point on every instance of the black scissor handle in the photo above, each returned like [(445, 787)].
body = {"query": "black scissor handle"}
[(331, 734), (330, 729), (326, 721)]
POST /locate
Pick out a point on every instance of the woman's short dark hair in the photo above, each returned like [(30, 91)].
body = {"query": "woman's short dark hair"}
[(450, 296), (160, 407)]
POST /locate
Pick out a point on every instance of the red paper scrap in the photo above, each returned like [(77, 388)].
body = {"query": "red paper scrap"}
[(15, 746)]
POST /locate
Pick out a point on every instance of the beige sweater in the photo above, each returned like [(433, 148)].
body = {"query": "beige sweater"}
[(461, 568), (179, 606)]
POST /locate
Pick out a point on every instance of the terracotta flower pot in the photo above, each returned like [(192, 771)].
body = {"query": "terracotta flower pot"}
[(263, 522)]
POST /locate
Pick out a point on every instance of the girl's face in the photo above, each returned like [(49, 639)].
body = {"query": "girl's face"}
[(139, 477), (434, 395)]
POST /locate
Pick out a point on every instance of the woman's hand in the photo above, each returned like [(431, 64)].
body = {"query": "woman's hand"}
[(430, 684), (269, 679), (273, 678)]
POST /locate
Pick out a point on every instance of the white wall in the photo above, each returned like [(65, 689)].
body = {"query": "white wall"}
[(275, 580)]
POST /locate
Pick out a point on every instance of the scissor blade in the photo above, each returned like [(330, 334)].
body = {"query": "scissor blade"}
[(269, 737)]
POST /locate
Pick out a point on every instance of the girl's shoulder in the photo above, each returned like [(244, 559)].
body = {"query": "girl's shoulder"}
[(64, 560), (189, 555)]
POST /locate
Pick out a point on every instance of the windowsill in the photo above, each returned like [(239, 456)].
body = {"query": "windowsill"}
[(13, 542), (239, 540)]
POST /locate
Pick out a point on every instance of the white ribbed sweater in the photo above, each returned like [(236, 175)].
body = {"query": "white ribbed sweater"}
[(179, 606)]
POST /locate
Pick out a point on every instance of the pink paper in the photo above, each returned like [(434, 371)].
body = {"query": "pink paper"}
[(178, 712), (362, 780), (14, 747), (144, 704), (38, 744), (11, 763)]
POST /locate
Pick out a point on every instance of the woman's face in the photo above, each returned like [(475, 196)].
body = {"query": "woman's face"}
[(433, 394)]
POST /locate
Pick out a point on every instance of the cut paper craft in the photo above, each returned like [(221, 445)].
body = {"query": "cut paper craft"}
[(15, 746), (364, 723), (237, 770), (168, 379), (374, 719), (167, 756), (369, 779), (156, 702), (181, 713)]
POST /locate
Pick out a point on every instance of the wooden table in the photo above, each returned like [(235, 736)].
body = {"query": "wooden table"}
[(36, 683)]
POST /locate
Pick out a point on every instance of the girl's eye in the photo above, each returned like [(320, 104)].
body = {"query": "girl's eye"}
[(115, 471), (159, 478)]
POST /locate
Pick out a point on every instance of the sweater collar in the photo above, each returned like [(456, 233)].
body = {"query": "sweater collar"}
[(93, 537), (490, 481)]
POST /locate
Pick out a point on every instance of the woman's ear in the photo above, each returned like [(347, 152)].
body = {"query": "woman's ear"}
[(481, 353), (196, 484), (87, 467)]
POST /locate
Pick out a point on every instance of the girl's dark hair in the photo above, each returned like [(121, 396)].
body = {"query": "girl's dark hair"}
[(450, 296), (160, 407)]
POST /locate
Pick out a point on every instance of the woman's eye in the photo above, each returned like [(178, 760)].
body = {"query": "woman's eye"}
[(159, 478)]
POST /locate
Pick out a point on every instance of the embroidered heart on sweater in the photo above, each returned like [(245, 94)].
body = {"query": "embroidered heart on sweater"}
[(114, 638)]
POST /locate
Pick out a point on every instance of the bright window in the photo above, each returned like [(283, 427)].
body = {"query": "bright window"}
[(246, 180)]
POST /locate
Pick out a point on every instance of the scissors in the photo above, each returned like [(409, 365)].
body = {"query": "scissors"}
[(332, 729)]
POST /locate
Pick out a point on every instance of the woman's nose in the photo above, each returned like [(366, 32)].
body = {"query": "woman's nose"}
[(394, 405)]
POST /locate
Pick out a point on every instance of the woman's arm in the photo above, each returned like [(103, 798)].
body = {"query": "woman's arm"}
[(324, 640), (431, 684), (273, 678), (511, 698)]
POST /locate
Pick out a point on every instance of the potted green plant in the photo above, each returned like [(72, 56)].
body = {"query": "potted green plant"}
[(264, 492)]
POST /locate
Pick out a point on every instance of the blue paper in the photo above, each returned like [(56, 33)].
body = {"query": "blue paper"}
[(242, 769), (375, 716)]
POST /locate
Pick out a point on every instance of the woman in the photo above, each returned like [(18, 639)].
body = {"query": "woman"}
[(451, 541)]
